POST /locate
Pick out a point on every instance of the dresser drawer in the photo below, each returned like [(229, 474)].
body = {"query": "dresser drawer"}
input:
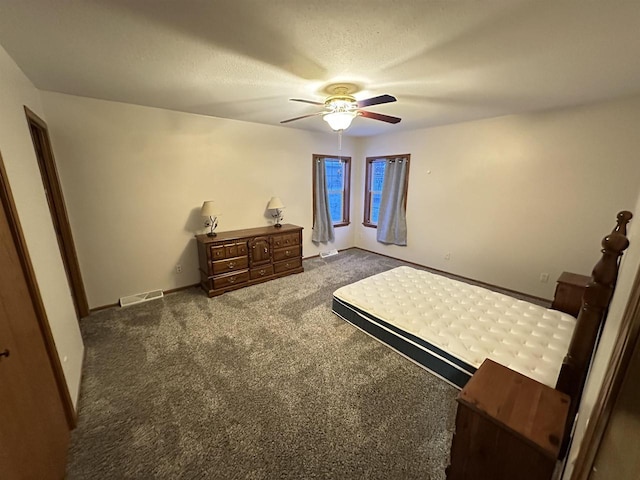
[(285, 253), (265, 271), (231, 279), (230, 265), (288, 240), (288, 265), (228, 250)]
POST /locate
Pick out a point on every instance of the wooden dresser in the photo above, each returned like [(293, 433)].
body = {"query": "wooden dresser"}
[(569, 291), (240, 258), (508, 427)]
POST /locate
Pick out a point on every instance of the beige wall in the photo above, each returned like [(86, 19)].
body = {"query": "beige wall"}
[(135, 178), (24, 177), (513, 197)]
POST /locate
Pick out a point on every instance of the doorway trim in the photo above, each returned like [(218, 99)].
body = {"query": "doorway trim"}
[(8, 204), (59, 216)]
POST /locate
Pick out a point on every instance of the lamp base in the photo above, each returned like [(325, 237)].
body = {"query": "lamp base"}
[(278, 225), (211, 234)]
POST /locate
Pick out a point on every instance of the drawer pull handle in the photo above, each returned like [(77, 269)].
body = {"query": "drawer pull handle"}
[(262, 272), (287, 252), (265, 249), (232, 280), (286, 265), (231, 264)]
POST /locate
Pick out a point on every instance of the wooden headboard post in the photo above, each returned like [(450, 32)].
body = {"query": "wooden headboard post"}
[(595, 303)]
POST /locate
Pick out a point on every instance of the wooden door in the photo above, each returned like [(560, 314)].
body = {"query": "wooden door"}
[(34, 423), (260, 251)]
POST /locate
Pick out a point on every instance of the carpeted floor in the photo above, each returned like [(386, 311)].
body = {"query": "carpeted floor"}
[(260, 383)]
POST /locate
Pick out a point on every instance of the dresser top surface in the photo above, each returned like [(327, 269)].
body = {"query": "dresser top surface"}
[(574, 279), (248, 232)]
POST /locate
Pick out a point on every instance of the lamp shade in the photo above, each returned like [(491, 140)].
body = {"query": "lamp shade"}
[(208, 209), (339, 120), (275, 204)]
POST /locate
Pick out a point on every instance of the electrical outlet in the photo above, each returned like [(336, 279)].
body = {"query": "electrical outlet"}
[(447, 256), (544, 277), (178, 268)]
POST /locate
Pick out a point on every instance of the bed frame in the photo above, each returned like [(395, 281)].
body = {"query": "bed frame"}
[(575, 365), (595, 303)]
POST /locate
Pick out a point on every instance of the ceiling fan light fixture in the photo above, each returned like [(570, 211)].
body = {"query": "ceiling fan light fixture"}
[(339, 120), (341, 108)]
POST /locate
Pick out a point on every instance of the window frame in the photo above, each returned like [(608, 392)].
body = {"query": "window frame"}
[(367, 184), (346, 192)]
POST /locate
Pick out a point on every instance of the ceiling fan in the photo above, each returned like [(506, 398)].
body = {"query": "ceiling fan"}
[(341, 108)]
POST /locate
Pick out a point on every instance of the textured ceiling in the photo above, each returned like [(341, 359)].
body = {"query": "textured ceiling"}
[(445, 61)]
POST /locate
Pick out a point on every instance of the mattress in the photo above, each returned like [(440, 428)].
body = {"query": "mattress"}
[(450, 327)]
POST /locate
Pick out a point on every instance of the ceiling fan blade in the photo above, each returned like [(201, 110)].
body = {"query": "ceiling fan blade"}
[(303, 116), (379, 116), (312, 102), (367, 102)]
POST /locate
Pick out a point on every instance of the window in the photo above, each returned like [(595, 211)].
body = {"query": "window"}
[(376, 167), (338, 175)]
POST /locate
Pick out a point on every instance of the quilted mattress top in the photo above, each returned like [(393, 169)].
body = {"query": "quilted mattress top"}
[(472, 323)]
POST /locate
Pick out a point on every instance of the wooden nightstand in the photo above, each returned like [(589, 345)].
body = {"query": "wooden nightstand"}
[(569, 291), (508, 427)]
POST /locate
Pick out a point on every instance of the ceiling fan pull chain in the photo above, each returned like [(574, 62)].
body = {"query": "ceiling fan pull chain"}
[(339, 140)]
